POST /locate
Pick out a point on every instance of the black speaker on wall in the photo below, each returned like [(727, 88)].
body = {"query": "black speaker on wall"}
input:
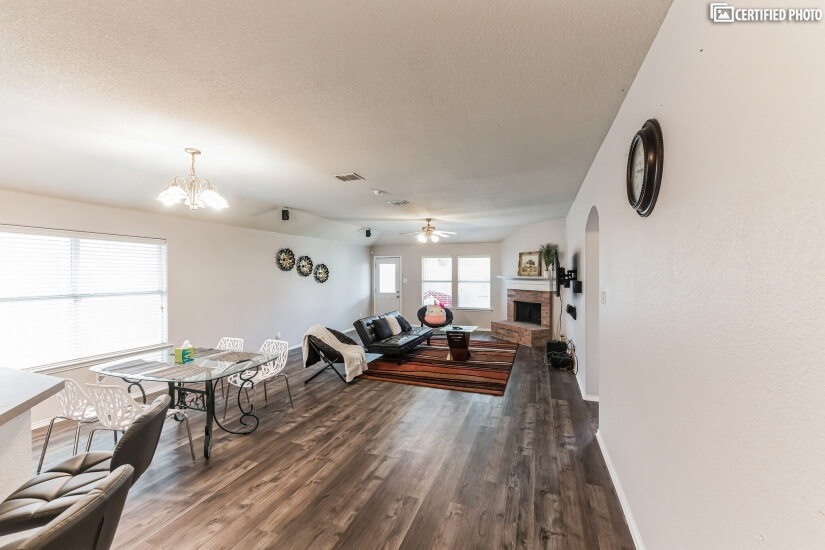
[(369, 232), (285, 214)]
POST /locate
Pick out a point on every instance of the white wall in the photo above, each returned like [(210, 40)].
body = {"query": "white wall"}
[(712, 357), (528, 238), (411, 270), (588, 355), (223, 280)]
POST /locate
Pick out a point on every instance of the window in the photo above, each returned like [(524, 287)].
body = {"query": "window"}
[(386, 278), (437, 280), (67, 296), (474, 282)]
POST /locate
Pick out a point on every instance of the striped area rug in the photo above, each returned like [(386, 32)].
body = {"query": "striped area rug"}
[(486, 371)]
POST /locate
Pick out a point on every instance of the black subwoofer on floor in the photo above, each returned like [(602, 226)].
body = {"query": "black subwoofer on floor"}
[(556, 346), (556, 355)]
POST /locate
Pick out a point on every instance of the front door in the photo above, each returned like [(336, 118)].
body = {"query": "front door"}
[(387, 289)]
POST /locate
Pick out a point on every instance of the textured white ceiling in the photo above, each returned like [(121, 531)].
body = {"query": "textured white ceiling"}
[(484, 114)]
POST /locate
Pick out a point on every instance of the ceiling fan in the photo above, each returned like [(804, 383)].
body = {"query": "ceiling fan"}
[(429, 233)]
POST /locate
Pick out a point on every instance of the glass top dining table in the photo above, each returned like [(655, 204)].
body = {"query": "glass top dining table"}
[(208, 366)]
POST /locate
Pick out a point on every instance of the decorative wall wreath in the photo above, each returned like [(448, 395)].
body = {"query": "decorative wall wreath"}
[(321, 273), (285, 259), (304, 266)]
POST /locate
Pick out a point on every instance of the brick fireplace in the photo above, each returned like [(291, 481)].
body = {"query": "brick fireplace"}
[(529, 312)]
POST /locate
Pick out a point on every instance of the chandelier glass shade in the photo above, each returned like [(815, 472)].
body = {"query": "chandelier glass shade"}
[(192, 192)]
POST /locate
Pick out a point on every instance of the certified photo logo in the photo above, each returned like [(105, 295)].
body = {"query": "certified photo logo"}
[(722, 12)]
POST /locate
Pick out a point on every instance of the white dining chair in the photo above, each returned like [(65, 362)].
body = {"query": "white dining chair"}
[(73, 403), (116, 410), (228, 343), (266, 371)]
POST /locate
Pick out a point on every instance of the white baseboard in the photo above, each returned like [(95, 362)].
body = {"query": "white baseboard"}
[(590, 397), (628, 514)]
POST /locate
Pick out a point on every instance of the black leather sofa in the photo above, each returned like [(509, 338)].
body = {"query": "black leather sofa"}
[(396, 345)]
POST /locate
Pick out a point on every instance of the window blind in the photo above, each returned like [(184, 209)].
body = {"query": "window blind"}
[(437, 280), (68, 296), (474, 282)]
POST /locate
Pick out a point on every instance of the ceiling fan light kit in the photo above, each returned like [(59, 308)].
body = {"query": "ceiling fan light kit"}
[(192, 192), (429, 233)]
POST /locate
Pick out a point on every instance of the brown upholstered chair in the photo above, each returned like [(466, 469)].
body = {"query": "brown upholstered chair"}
[(88, 524), (49, 494)]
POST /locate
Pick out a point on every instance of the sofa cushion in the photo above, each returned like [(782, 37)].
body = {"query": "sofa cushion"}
[(364, 329), (395, 327), (401, 343), (421, 332), (398, 339), (405, 326), (382, 329)]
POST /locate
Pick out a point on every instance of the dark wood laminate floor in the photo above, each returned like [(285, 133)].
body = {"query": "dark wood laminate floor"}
[(381, 465)]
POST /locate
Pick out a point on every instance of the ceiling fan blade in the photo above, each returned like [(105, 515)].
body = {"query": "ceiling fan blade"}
[(411, 233), (444, 233)]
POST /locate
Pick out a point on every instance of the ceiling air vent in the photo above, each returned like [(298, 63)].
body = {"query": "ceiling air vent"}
[(402, 202), (349, 177)]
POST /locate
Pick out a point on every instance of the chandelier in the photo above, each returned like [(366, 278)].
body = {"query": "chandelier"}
[(191, 192)]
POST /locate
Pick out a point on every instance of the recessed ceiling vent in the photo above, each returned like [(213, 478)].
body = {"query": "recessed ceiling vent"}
[(402, 202), (349, 177)]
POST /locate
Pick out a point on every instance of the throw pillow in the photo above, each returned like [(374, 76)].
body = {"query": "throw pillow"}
[(381, 328), (405, 326), (435, 315), (395, 328)]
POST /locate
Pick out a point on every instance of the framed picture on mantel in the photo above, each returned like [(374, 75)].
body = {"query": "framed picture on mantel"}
[(529, 264)]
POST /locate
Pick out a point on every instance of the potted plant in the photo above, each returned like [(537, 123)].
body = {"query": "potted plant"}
[(548, 255)]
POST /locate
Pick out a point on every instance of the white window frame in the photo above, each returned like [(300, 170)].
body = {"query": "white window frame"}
[(458, 282), (85, 362), (451, 280)]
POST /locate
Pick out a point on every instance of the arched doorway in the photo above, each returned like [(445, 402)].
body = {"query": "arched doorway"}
[(591, 300)]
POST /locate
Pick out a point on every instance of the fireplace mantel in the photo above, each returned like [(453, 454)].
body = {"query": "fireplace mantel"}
[(540, 284)]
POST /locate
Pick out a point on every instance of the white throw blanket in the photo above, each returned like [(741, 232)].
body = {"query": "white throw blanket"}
[(355, 360)]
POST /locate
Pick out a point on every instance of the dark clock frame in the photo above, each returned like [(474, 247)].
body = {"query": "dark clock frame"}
[(650, 136)]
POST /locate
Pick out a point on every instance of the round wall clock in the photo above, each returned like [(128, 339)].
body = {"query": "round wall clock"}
[(321, 273), (304, 266), (644, 167), (285, 259)]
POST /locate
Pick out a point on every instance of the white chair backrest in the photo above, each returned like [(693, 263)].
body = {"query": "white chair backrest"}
[(230, 344), (276, 347), (116, 409), (73, 402)]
